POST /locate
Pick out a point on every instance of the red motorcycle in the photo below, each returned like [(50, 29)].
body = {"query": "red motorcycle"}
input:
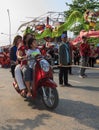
[(4, 59), (43, 84)]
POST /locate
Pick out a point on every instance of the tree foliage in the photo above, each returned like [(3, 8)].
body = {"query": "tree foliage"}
[(81, 6)]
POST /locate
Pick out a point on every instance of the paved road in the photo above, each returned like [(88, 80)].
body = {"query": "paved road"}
[(78, 107)]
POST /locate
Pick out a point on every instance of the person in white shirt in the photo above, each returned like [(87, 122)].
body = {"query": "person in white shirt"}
[(31, 52)]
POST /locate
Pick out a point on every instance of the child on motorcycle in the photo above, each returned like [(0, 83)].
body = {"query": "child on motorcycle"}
[(32, 52)]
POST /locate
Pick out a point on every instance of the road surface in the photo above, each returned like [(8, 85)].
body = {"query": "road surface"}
[(78, 107)]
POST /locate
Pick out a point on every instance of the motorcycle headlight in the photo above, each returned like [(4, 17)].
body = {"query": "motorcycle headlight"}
[(45, 65)]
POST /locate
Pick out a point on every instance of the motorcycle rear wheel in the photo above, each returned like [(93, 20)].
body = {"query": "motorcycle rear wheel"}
[(50, 98)]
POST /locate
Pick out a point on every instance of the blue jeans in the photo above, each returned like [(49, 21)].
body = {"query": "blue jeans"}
[(27, 73)]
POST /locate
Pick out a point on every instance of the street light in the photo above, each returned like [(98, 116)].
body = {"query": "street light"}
[(9, 26)]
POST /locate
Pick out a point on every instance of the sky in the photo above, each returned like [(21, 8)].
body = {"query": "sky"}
[(21, 11)]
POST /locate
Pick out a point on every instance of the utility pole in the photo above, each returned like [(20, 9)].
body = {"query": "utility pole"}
[(9, 26)]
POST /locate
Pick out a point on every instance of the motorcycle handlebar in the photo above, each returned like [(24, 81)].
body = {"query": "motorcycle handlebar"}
[(30, 57)]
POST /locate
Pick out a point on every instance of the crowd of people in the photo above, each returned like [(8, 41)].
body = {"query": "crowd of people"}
[(82, 54), (20, 67)]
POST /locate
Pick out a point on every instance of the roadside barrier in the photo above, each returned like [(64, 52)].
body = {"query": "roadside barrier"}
[(79, 66)]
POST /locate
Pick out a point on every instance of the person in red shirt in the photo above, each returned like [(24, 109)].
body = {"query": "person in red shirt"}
[(84, 53), (97, 52), (71, 51), (92, 56)]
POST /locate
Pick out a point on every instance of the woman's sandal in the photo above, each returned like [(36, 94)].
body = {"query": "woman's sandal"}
[(23, 93), (16, 87)]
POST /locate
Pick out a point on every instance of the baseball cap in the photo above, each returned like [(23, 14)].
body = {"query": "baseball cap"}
[(63, 36)]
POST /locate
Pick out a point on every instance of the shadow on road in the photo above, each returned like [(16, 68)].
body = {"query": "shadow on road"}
[(90, 88), (84, 113), (19, 124), (36, 104)]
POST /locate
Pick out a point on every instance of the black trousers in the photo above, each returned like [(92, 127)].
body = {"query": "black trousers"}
[(12, 70), (63, 75), (91, 61), (70, 70), (76, 60)]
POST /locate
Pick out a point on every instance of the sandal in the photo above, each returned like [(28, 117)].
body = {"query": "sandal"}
[(16, 87), (29, 95), (23, 93)]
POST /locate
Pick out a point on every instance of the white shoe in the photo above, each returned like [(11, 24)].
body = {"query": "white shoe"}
[(80, 76)]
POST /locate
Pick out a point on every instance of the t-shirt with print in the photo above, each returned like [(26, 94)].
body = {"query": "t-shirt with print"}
[(32, 53)]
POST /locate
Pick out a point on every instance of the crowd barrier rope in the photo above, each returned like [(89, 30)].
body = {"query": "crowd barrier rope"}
[(79, 66)]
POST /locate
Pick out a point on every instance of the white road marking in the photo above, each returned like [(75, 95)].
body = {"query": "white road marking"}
[(75, 81)]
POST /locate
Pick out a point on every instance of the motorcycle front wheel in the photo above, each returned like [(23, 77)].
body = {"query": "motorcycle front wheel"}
[(50, 97)]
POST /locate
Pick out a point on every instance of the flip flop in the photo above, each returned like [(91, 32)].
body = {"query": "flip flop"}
[(16, 87), (23, 93)]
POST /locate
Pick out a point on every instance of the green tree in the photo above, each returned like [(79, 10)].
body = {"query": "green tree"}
[(81, 6)]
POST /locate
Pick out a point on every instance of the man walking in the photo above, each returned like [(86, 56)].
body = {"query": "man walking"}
[(84, 53)]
